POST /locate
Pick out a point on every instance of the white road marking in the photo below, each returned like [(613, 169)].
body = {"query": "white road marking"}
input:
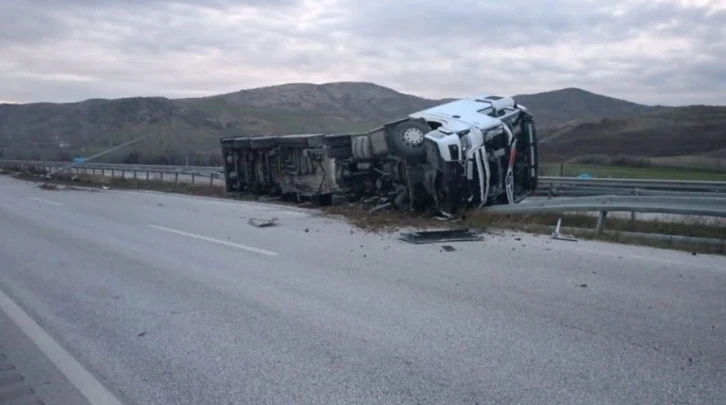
[(221, 242), (45, 201), (83, 380)]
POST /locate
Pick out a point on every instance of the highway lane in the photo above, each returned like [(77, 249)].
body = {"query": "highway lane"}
[(171, 299)]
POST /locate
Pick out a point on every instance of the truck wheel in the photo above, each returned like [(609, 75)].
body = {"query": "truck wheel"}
[(407, 139)]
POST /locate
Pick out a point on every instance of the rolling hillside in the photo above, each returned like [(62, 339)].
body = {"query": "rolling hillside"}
[(663, 132), (572, 122), (564, 105)]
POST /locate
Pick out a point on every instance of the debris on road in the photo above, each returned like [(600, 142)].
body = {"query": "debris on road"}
[(448, 248), (142, 334), (380, 207), (451, 235), (48, 186), (106, 187), (262, 223), (559, 236), (583, 286)]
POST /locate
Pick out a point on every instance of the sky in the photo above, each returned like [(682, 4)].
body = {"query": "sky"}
[(669, 52)]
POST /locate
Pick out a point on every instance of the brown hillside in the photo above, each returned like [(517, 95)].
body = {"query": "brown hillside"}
[(564, 105), (678, 131)]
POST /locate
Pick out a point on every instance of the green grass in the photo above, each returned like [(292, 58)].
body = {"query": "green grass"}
[(672, 173)]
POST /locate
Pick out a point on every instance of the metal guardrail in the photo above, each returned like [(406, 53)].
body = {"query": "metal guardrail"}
[(552, 186), (548, 186), (633, 183), (703, 206), (116, 166), (192, 174), (698, 206), (680, 197), (573, 187)]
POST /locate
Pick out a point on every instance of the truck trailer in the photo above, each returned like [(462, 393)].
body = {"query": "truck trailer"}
[(470, 152)]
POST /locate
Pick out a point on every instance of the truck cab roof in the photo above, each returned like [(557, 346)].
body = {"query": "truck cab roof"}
[(485, 111)]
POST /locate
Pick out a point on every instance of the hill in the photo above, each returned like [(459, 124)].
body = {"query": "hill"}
[(558, 106), (572, 122), (663, 132), (60, 131)]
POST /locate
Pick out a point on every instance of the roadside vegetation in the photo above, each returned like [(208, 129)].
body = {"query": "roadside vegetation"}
[(630, 172)]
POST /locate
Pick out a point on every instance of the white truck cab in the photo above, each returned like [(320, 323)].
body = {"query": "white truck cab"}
[(488, 140)]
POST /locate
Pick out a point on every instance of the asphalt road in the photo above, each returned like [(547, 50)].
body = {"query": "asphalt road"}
[(169, 299)]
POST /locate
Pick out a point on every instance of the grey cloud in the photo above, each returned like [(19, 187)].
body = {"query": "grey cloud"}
[(75, 49)]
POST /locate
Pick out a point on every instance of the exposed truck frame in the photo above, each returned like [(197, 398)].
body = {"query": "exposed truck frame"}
[(470, 152)]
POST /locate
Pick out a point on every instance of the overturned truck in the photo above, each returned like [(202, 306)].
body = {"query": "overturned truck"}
[(469, 152)]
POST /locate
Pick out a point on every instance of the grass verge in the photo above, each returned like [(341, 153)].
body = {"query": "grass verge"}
[(652, 172)]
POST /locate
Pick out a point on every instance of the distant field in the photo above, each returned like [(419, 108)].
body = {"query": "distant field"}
[(571, 169)]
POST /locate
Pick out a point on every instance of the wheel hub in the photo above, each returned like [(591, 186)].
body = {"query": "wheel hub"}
[(413, 137)]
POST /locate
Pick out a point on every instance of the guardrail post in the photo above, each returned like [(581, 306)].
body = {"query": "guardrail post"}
[(193, 175), (147, 175), (176, 177), (600, 227), (103, 172), (161, 176), (112, 172), (134, 174), (211, 179)]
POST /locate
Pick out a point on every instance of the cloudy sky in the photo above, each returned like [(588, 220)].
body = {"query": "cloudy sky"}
[(670, 52)]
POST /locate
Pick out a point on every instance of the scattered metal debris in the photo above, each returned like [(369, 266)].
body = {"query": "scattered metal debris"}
[(451, 235), (559, 236), (262, 223), (448, 248), (106, 187), (48, 186), (381, 207)]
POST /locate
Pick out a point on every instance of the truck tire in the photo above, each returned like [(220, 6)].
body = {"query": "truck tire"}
[(407, 140)]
